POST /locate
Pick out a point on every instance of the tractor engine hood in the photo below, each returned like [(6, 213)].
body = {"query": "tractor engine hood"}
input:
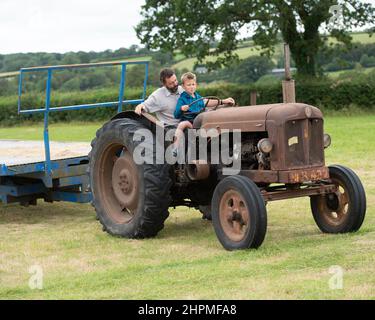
[(253, 118)]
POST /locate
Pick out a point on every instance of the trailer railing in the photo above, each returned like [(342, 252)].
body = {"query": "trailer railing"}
[(47, 105)]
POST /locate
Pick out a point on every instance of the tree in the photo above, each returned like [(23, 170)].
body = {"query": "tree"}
[(192, 26)]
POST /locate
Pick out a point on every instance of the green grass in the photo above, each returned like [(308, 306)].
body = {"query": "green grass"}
[(247, 50), (336, 74), (243, 53), (185, 260), (79, 131), (361, 37)]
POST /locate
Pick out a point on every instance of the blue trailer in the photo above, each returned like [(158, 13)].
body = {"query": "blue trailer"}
[(55, 178)]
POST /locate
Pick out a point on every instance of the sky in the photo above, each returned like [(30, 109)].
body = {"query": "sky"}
[(67, 25)]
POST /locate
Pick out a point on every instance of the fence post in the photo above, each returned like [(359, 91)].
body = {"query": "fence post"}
[(253, 98)]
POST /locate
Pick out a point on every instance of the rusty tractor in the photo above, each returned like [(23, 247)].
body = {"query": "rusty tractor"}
[(281, 157)]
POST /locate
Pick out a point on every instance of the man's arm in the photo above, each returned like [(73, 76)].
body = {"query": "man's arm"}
[(149, 105)]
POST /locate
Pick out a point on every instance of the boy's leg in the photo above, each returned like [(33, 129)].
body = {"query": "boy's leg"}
[(180, 131)]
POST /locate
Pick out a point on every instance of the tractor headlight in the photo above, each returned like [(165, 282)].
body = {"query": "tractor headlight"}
[(265, 145), (326, 140)]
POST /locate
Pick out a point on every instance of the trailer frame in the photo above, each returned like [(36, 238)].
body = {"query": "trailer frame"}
[(58, 179)]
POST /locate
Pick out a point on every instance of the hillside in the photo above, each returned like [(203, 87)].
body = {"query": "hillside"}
[(249, 50)]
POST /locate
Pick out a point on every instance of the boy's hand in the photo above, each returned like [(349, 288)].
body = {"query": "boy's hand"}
[(185, 107), (229, 101)]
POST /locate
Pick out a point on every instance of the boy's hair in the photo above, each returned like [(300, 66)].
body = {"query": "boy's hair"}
[(166, 74), (188, 76)]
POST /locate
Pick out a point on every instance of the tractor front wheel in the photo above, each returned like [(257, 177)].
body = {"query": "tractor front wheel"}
[(344, 210), (239, 214)]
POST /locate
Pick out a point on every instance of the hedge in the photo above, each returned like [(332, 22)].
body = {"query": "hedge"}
[(323, 94)]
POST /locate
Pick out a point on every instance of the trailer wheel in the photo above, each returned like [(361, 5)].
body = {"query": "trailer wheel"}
[(344, 210), (130, 200), (239, 214)]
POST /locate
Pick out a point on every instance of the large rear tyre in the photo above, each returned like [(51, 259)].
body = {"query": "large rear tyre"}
[(239, 214), (130, 200), (344, 210)]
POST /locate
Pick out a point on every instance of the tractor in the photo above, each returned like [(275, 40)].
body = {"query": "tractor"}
[(281, 156)]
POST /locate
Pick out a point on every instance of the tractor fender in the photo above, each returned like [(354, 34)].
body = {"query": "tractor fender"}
[(146, 119)]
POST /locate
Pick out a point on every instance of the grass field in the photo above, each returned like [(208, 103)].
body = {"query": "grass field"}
[(247, 50), (336, 74), (185, 261)]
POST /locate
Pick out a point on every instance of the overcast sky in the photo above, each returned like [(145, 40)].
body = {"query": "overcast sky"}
[(67, 25)]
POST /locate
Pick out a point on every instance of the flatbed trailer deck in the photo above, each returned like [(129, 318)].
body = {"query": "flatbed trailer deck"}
[(53, 171)]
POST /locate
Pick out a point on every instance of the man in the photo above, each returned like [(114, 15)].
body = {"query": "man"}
[(163, 101)]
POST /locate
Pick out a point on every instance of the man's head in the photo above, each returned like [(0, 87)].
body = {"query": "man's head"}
[(169, 80), (189, 82)]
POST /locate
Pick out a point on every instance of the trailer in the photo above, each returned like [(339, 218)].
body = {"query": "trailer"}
[(54, 171)]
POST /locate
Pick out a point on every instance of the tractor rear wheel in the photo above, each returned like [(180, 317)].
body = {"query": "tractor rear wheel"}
[(130, 200), (239, 214), (344, 210)]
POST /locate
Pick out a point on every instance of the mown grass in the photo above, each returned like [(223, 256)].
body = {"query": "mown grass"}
[(185, 261)]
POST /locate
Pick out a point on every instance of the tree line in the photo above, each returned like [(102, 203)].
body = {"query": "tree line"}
[(249, 70)]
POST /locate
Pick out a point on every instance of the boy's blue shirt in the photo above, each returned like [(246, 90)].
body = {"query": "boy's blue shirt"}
[(186, 99)]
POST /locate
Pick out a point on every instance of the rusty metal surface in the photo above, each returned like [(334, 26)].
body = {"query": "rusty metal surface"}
[(296, 193), (334, 208), (297, 140), (125, 181), (288, 176), (104, 169), (249, 118), (253, 118), (198, 170), (260, 176), (234, 215), (303, 175)]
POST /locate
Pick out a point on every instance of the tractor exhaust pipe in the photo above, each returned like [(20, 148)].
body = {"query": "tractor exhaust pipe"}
[(289, 91)]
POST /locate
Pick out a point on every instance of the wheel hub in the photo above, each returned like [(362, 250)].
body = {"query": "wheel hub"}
[(334, 208), (125, 181), (332, 201), (234, 215)]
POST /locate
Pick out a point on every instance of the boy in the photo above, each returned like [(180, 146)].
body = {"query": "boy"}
[(189, 84)]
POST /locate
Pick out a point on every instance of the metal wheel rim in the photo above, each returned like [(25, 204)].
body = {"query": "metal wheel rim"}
[(118, 183), (234, 215), (335, 216)]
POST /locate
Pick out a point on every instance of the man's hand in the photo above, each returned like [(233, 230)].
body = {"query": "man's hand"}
[(139, 108), (185, 107), (229, 101)]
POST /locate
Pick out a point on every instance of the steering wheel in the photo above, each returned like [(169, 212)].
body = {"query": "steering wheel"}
[(187, 112)]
